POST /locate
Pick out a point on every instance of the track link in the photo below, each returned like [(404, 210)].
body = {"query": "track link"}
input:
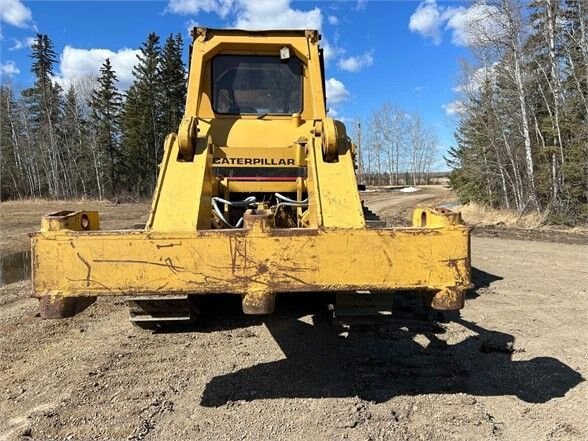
[(158, 312), (365, 310), (372, 220)]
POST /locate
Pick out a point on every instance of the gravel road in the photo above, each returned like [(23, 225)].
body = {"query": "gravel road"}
[(510, 366)]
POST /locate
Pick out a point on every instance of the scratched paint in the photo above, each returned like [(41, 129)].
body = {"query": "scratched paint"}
[(15, 267)]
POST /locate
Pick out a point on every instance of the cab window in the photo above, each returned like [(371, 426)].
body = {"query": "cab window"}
[(252, 84)]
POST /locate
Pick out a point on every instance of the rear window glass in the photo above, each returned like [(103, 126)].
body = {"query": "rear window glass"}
[(251, 84)]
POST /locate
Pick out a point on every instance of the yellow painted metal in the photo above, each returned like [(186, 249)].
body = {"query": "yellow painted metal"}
[(331, 185), (180, 251), (435, 217), (250, 260), (71, 220), (258, 186), (182, 199)]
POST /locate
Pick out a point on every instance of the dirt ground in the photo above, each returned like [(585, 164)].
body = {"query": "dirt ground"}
[(289, 376), (17, 218), (396, 208)]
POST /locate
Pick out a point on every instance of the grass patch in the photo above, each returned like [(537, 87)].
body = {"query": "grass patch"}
[(18, 218), (480, 215)]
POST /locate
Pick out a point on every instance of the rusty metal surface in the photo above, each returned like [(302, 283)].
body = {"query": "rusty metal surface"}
[(259, 303), (448, 299)]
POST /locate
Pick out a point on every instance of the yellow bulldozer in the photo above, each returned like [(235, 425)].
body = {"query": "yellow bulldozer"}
[(256, 196)]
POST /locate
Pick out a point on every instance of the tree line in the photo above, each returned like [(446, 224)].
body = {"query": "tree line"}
[(522, 132), (93, 139), (395, 147)]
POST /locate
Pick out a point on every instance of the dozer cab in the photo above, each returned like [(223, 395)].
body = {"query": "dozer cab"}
[(256, 195)]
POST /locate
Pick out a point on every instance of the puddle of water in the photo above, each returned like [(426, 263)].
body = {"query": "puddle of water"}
[(15, 267)]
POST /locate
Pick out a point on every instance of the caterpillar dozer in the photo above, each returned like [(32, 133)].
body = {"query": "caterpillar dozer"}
[(256, 195)]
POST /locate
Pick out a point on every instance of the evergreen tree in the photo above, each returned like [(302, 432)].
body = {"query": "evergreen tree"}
[(574, 49), (44, 94), (9, 183), (43, 102), (173, 84), (142, 129), (106, 105), (72, 142), (473, 157)]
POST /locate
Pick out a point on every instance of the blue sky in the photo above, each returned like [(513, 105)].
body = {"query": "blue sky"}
[(402, 52)]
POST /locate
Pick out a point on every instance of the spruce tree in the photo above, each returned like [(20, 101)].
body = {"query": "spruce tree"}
[(44, 95), (472, 177), (574, 48), (9, 184), (73, 141), (173, 84), (106, 102), (143, 134), (44, 107)]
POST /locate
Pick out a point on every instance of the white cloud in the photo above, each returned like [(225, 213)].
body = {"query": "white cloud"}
[(191, 25), (260, 15), (185, 7), (15, 13), (333, 20), (419, 88), (355, 64), (428, 20), (475, 79), (336, 114), (454, 108), (19, 44), (78, 63), (336, 91), (360, 5), (276, 14), (9, 69), (253, 14), (330, 52), (476, 25), (468, 26)]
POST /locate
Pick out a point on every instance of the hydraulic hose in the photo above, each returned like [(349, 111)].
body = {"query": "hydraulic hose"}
[(245, 202)]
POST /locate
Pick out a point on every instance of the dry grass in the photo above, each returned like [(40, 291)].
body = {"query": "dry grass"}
[(475, 214), (17, 218)]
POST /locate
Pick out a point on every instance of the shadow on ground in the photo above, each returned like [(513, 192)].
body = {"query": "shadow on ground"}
[(379, 363), (481, 280)]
